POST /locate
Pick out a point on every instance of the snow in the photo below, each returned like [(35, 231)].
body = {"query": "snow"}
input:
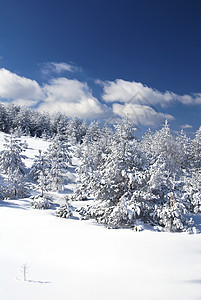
[(34, 144), (80, 260), (72, 259)]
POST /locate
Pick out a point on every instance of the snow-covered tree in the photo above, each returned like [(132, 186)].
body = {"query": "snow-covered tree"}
[(4, 123), (192, 191), (184, 147), (65, 210), (40, 202), (118, 172), (164, 145), (59, 125), (39, 172), (146, 144), (73, 131), (93, 133), (57, 161), (196, 150), (13, 167), (39, 165), (16, 184), (92, 153), (11, 157)]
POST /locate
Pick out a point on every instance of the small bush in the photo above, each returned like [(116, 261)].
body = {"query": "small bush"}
[(64, 211), (40, 202)]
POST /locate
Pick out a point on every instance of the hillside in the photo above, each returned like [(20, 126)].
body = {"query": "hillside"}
[(74, 259)]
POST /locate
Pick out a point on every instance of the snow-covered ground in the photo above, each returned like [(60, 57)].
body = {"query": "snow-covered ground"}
[(73, 259)]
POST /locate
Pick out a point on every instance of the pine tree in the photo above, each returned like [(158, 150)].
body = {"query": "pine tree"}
[(73, 131), (58, 159), (92, 154), (192, 191), (196, 149), (39, 165), (16, 185), (39, 172), (13, 167), (11, 158), (184, 148)]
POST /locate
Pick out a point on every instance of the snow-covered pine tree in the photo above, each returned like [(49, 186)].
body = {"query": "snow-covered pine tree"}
[(58, 159), (16, 185), (73, 131), (11, 157), (122, 158), (192, 191), (39, 172), (40, 202), (164, 145), (3, 119), (12, 165), (92, 153), (65, 210), (146, 144), (184, 147), (22, 121), (113, 180), (169, 164), (196, 150), (93, 133), (39, 165), (165, 159)]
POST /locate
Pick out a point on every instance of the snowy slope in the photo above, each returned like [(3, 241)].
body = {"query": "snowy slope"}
[(34, 144), (73, 259)]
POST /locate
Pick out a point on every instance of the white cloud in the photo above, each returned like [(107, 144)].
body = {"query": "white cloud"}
[(72, 97), (140, 114), (61, 94), (85, 108), (19, 89), (66, 90), (137, 93), (58, 68), (186, 126)]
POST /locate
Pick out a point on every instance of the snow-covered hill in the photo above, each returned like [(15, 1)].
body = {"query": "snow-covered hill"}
[(78, 260)]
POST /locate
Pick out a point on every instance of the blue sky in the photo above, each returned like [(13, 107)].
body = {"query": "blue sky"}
[(104, 59)]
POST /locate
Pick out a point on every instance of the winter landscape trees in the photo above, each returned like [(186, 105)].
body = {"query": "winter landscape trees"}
[(141, 181), (153, 181)]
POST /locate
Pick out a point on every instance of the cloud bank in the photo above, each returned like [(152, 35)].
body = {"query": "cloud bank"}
[(140, 114), (75, 98), (61, 94), (138, 93), (137, 101)]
